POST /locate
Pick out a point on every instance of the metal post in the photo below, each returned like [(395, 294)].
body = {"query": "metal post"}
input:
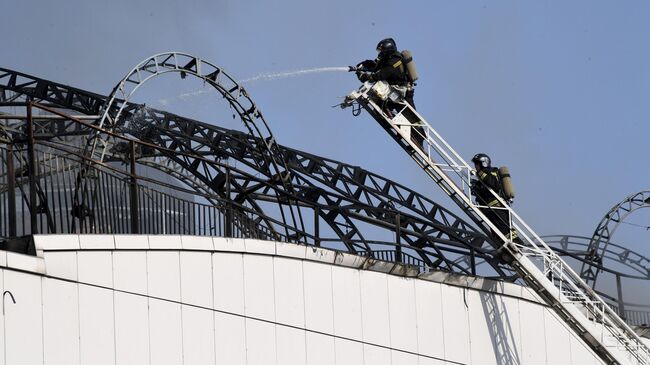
[(228, 223), (472, 260), (398, 238), (33, 206), (11, 186), (135, 226), (317, 226), (621, 304)]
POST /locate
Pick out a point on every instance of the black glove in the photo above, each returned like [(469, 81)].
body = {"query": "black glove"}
[(475, 186), (367, 65), (363, 76)]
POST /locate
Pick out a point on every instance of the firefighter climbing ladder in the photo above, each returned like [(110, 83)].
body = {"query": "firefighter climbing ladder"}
[(543, 270)]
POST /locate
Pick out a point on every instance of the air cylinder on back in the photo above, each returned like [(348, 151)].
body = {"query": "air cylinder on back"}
[(506, 182), (410, 65)]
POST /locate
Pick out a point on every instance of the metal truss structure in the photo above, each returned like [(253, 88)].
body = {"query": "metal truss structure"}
[(605, 230), (227, 169), (617, 263), (224, 182), (270, 159)]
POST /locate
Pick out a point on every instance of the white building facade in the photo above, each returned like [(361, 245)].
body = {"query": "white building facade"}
[(96, 299)]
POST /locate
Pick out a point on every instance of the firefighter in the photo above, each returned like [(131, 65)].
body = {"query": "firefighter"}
[(391, 66), (490, 179)]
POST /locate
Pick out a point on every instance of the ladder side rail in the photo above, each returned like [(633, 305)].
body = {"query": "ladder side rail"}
[(568, 275), (457, 164), (450, 187), (530, 267), (453, 160), (459, 160), (596, 307), (611, 321), (518, 222), (578, 285), (434, 140), (571, 313)]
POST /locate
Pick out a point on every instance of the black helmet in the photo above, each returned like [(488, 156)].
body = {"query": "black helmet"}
[(482, 160), (386, 46)]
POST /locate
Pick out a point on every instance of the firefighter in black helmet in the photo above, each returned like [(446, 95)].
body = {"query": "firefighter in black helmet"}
[(489, 179), (390, 66)]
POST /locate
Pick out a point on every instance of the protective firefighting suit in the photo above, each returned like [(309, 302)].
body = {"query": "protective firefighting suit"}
[(493, 209), (389, 67)]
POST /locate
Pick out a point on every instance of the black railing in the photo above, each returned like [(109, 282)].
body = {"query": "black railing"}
[(637, 317), (49, 187), (112, 202), (633, 317)]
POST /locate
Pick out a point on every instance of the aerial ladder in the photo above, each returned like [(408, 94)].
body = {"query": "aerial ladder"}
[(536, 263)]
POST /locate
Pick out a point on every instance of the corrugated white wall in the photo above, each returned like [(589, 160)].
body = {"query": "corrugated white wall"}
[(175, 300)]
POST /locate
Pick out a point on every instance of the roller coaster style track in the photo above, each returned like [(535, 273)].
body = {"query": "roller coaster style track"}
[(353, 203), (271, 161), (225, 182), (605, 230)]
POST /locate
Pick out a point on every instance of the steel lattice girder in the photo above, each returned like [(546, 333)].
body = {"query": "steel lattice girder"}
[(272, 162), (345, 180), (578, 247), (605, 230), (379, 196), (15, 84), (336, 172), (375, 194), (180, 134), (416, 232), (435, 258)]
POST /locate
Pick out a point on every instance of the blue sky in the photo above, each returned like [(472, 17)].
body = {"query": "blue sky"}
[(558, 91)]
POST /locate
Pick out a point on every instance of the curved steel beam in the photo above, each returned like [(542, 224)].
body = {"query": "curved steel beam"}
[(208, 141), (14, 84), (433, 256), (273, 163), (346, 179), (356, 184), (341, 189), (332, 206), (577, 247), (605, 230)]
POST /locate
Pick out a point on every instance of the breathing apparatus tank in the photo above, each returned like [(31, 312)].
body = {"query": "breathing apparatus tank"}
[(409, 64), (506, 183)]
